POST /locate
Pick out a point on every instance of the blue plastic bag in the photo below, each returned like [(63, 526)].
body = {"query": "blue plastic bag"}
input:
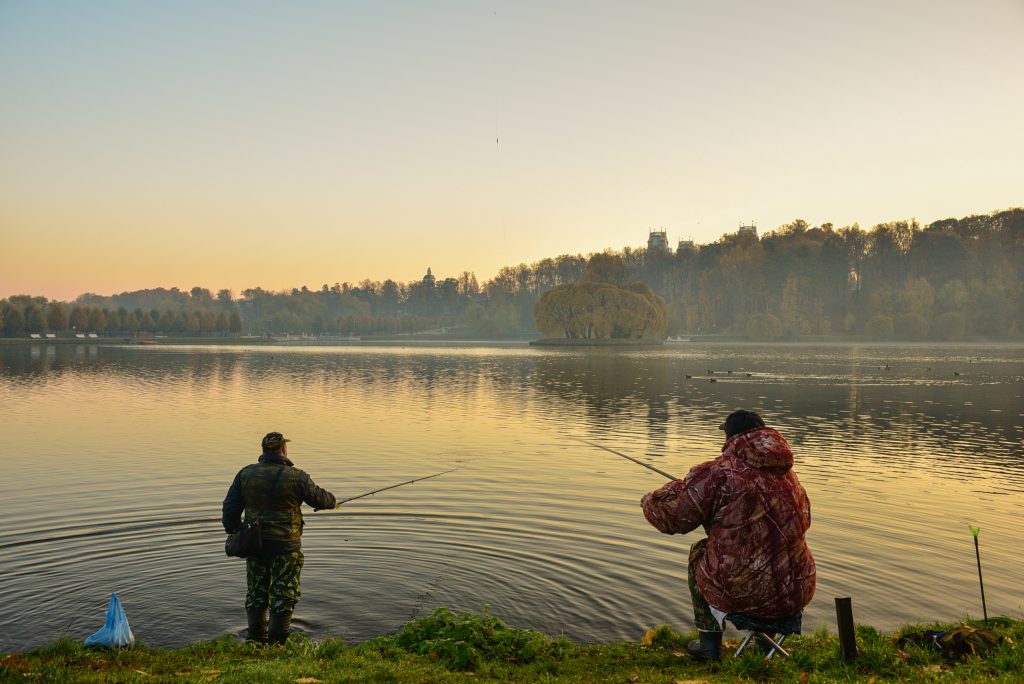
[(115, 632)]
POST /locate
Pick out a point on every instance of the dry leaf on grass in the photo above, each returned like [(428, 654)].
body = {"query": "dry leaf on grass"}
[(690, 681), (306, 680)]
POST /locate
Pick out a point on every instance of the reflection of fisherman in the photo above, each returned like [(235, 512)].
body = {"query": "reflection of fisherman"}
[(755, 512), (273, 491)]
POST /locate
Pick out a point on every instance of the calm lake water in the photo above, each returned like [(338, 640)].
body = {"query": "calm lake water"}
[(118, 459)]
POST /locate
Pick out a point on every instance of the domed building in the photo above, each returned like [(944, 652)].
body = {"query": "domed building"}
[(429, 279)]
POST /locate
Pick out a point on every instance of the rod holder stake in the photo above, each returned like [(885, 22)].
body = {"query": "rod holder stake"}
[(847, 636)]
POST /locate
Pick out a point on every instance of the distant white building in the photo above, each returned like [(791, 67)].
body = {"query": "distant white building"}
[(748, 229), (657, 240), (429, 279)]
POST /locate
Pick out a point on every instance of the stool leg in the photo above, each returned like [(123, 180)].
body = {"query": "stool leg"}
[(768, 645), (777, 646), (744, 643)]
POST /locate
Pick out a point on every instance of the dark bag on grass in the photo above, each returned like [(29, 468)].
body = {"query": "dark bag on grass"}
[(964, 641), (247, 540), (957, 643)]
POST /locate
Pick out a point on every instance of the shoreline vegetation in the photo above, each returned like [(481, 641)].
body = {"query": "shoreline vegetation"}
[(458, 647), (951, 280), (419, 338)]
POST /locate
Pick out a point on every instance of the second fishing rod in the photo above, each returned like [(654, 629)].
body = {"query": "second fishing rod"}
[(629, 458)]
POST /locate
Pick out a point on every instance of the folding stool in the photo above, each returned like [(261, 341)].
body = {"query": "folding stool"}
[(760, 629)]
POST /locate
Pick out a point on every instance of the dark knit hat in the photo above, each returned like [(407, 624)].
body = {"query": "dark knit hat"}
[(741, 421)]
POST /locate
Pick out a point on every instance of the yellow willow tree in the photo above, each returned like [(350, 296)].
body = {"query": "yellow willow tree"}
[(600, 310)]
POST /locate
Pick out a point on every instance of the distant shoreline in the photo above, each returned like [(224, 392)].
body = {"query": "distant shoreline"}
[(566, 343), (604, 342)]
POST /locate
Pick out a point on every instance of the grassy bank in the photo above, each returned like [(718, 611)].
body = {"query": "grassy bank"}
[(461, 647)]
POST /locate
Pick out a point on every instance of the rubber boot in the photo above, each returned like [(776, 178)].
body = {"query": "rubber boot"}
[(280, 626), (257, 625), (708, 647)]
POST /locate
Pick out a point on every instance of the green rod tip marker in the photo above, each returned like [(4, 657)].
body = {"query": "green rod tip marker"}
[(975, 531)]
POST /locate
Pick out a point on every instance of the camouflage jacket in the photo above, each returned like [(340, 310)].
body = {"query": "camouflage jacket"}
[(273, 490), (755, 513)]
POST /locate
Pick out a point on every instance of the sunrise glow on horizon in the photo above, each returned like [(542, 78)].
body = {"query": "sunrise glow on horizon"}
[(235, 145)]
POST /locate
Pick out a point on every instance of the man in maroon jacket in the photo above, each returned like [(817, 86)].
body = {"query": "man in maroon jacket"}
[(755, 513)]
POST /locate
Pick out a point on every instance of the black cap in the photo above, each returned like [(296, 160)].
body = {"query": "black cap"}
[(273, 441), (741, 421)]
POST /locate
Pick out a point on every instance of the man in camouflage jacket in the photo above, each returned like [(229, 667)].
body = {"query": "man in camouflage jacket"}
[(755, 513), (273, 490)]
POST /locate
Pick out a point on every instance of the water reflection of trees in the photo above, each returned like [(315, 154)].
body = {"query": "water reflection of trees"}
[(40, 364), (896, 427), (892, 428), (626, 394)]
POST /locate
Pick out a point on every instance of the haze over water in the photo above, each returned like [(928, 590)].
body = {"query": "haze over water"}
[(103, 441)]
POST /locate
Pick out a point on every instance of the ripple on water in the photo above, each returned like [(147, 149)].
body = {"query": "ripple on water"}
[(544, 529)]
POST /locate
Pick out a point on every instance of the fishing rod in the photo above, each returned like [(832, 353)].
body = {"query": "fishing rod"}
[(400, 484), (70, 533), (619, 453)]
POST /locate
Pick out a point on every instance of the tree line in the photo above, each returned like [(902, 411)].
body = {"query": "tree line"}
[(952, 278), (24, 314), (898, 280)]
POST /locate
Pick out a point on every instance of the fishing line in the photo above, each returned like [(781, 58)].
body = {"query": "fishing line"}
[(121, 528)]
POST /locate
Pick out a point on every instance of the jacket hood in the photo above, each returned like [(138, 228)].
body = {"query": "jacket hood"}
[(763, 448)]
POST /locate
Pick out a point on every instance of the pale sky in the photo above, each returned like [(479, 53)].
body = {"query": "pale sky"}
[(280, 144)]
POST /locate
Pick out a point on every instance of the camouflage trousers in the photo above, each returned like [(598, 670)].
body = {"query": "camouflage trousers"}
[(702, 616), (273, 581)]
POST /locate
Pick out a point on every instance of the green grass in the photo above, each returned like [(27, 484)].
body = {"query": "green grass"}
[(460, 647)]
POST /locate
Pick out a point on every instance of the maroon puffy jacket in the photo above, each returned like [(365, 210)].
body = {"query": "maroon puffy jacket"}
[(755, 513)]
